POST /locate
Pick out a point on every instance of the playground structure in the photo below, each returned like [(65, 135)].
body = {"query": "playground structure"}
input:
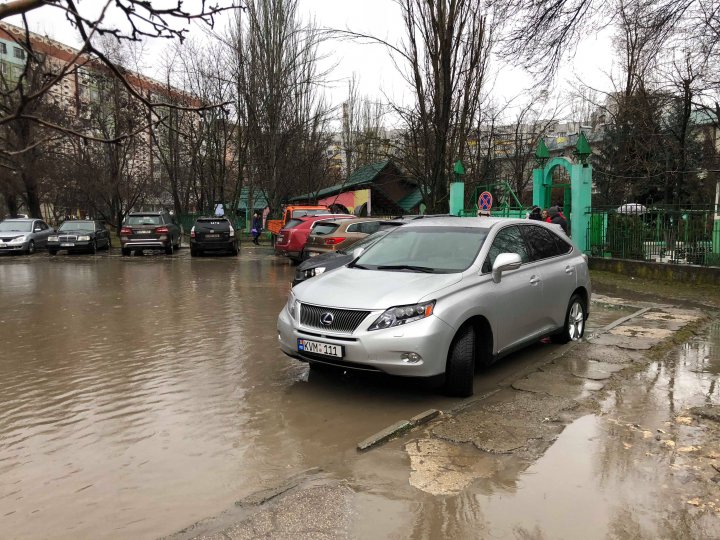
[(688, 236)]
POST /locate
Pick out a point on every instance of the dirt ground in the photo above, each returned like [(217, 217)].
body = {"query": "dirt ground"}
[(617, 436)]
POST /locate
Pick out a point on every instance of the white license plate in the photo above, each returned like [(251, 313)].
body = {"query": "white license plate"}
[(212, 236), (67, 245), (316, 347), (143, 232)]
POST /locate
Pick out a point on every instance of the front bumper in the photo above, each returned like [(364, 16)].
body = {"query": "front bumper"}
[(379, 350), (11, 248), (76, 245)]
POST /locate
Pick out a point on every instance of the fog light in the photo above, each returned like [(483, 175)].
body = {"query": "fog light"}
[(411, 358)]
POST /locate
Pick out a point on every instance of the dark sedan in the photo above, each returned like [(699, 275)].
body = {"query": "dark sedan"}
[(335, 259), (79, 235)]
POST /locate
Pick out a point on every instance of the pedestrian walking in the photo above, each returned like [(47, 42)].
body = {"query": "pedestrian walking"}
[(256, 228), (555, 217)]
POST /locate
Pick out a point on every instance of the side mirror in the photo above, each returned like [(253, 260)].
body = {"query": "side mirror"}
[(37, 229), (504, 263), (357, 252)]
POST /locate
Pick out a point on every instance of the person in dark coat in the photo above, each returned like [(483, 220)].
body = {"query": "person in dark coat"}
[(535, 214), (556, 217), (256, 228)]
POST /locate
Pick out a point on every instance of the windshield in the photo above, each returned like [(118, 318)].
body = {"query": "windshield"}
[(425, 249), (16, 226), (77, 226), (143, 220)]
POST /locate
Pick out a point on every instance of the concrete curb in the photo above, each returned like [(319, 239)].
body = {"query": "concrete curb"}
[(397, 429)]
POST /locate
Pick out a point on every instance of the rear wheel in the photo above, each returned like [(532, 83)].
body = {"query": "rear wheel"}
[(574, 321), (460, 367), (125, 252), (193, 252), (169, 249), (234, 251), (52, 252), (108, 245)]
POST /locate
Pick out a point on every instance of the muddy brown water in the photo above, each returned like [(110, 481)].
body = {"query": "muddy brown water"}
[(142, 394)]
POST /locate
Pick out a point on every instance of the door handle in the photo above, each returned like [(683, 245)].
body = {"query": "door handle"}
[(569, 270), (534, 280)]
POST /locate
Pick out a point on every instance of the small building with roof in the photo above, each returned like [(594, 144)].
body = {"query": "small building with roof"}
[(379, 189)]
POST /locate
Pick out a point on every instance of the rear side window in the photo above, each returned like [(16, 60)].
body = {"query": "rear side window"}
[(508, 240), (311, 212), (322, 229), (293, 223), (541, 241)]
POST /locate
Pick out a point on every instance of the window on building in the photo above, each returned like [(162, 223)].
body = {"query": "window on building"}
[(3, 48), (18, 53)]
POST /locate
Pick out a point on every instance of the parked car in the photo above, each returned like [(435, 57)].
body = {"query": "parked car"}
[(293, 212), (438, 297), (336, 259), (213, 234), (23, 235), (332, 235), (150, 230), (79, 235), (292, 238)]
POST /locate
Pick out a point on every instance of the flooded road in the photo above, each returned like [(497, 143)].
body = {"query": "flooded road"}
[(142, 394)]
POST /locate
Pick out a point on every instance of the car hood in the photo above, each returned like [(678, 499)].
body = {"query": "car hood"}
[(331, 259), (371, 289), (13, 234)]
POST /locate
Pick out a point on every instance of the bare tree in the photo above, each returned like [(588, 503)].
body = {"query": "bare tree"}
[(137, 20), (444, 59)]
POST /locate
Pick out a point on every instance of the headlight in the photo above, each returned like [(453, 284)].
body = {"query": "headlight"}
[(398, 315), (53, 239), (18, 240), (292, 305), (84, 238), (312, 272)]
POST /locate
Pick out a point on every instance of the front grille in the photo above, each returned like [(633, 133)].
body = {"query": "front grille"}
[(67, 238), (343, 320)]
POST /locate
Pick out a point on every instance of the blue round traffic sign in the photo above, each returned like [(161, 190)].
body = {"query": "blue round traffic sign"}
[(485, 200)]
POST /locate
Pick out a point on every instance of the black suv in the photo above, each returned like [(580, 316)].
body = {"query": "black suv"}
[(212, 234), (150, 230)]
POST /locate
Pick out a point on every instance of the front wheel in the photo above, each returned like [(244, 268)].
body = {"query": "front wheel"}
[(460, 367), (574, 321), (31, 248), (93, 248)]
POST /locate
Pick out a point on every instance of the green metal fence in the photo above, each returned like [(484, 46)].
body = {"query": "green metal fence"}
[(657, 234)]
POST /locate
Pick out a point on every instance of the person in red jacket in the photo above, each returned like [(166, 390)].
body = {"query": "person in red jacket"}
[(556, 217)]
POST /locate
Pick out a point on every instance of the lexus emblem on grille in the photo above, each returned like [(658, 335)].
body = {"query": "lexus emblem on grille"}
[(326, 319)]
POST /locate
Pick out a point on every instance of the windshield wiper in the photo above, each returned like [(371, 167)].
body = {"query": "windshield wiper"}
[(411, 267), (360, 266)]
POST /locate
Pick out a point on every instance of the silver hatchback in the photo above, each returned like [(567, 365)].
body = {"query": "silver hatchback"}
[(440, 297)]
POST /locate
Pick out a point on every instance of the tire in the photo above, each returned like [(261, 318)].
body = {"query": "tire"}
[(460, 367), (52, 252), (179, 242), (31, 248), (234, 251), (574, 321), (109, 244), (93, 248), (169, 249), (125, 252), (193, 252)]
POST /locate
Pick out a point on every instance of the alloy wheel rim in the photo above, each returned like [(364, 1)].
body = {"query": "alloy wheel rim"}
[(576, 321)]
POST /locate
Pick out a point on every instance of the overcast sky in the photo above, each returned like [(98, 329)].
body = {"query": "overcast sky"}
[(371, 63)]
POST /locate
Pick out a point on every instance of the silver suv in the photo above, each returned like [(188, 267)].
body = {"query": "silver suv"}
[(441, 296)]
